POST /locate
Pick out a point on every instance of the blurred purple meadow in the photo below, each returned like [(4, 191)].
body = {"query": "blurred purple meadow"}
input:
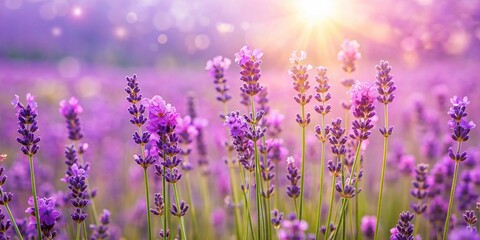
[(266, 120)]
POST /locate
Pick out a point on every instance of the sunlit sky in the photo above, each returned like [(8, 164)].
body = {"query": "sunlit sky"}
[(144, 31)]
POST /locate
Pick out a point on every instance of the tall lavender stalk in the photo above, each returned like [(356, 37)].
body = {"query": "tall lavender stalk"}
[(187, 131), (385, 88), (71, 110), (249, 62), (322, 96), (139, 137), (337, 138), (298, 72), (27, 126), (163, 120), (419, 191), (216, 69), (363, 108), (348, 55), (238, 128), (460, 133)]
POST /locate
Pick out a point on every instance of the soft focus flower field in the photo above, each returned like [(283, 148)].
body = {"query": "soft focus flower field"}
[(162, 121)]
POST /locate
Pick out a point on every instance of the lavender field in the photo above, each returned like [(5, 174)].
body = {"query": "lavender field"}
[(295, 119)]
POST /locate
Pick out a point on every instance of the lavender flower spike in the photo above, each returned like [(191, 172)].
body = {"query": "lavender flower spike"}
[(47, 213), (216, 68), (368, 226), (27, 126), (146, 159), (70, 110), (293, 176), (460, 133), (299, 73), (349, 55), (249, 61), (404, 228)]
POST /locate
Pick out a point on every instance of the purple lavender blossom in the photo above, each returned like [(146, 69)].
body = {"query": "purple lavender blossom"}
[(293, 175), (70, 110), (404, 228), (384, 82), (322, 96), (471, 219), (367, 226), (249, 62), (349, 54), (277, 218), (216, 68), (200, 124), (162, 116), (299, 73), (244, 146), (27, 124), (463, 234), (460, 127), (363, 100), (187, 131), (465, 194), (5, 224), (5, 197), (48, 215), (293, 229), (273, 123), (79, 195), (420, 189), (101, 231)]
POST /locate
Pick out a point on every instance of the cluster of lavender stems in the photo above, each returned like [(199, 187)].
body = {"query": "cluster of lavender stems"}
[(76, 175), (253, 158), (385, 89), (250, 73), (137, 111), (460, 133), (298, 72), (322, 96), (216, 69), (363, 99)]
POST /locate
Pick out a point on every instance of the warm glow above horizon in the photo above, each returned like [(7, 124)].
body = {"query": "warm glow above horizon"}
[(317, 11)]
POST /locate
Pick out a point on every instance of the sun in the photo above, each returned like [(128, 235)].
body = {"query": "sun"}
[(317, 11)]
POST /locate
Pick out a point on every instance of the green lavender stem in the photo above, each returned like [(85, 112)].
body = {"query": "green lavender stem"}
[(79, 231), (192, 208), (206, 201), (85, 235), (302, 189), (357, 213), (416, 226), (145, 178), (147, 195), (34, 192), (329, 218), (177, 200), (164, 192), (345, 201), (246, 196), (382, 176), (258, 181), (14, 223), (322, 170), (295, 205), (452, 195)]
